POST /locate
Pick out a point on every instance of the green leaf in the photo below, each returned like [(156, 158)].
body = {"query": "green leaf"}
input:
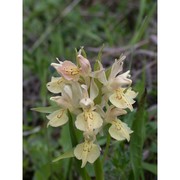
[(108, 72), (150, 167), (83, 52), (98, 168), (143, 25), (48, 109), (76, 54), (137, 138), (73, 136), (99, 58), (64, 136), (67, 154), (98, 99), (42, 173)]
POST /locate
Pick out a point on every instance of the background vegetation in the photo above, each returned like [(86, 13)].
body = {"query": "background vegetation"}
[(54, 28)]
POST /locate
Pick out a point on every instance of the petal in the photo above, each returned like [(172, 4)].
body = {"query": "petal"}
[(131, 93), (85, 91), (67, 90), (87, 152), (119, 130), (117, 112), (80, 123), (56, 65), (81, 152), (85, 65), (100, 74), (88, 121), (117, 101), (76, 89), (57, 118), (93, 154), (78, 151), (86, 103), (94, 91), (68, 70), (112, 113), (121, 80), (56, 85), (115, 133), (116, 67), (97, 120), (61, 101), (99, 110), (125, 127), (129, 100)]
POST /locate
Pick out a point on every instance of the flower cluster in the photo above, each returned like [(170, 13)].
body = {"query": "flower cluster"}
[(96, 98)]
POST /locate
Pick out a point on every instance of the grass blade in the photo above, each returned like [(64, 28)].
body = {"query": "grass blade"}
[(137, 138), (150, 167), (48, 109), (67, 154), (99, 58), (139, 33)]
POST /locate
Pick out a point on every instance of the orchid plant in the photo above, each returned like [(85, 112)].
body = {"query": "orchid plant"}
[(95, 98)]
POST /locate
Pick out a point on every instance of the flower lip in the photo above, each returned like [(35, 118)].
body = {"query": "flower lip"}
[(88, 120), (123, 99), (87, 152), (55, 85), (57, 118), (119, 130)]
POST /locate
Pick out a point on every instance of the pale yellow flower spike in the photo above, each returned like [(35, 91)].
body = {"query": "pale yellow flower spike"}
[(79, 89), (57, 118), (56, 85), (119, 130), (88, 120), (87, 152), (123, 99)]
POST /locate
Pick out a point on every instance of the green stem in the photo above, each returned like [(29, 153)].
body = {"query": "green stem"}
[(49, 153), (74, 142), (107, 148), (98, 169)]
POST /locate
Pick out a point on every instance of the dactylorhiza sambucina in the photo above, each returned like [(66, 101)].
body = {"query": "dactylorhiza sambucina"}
[(96, 98)]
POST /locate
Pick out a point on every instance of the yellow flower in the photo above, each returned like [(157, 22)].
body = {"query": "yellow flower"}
[(88, 120), (121, 80), (67, 100), (56, 85), (123, 98), (113, 112), (67, 69), (87, 152), (86, 101), (115, 70), (119, 130), (57, 118), (117, 67)]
